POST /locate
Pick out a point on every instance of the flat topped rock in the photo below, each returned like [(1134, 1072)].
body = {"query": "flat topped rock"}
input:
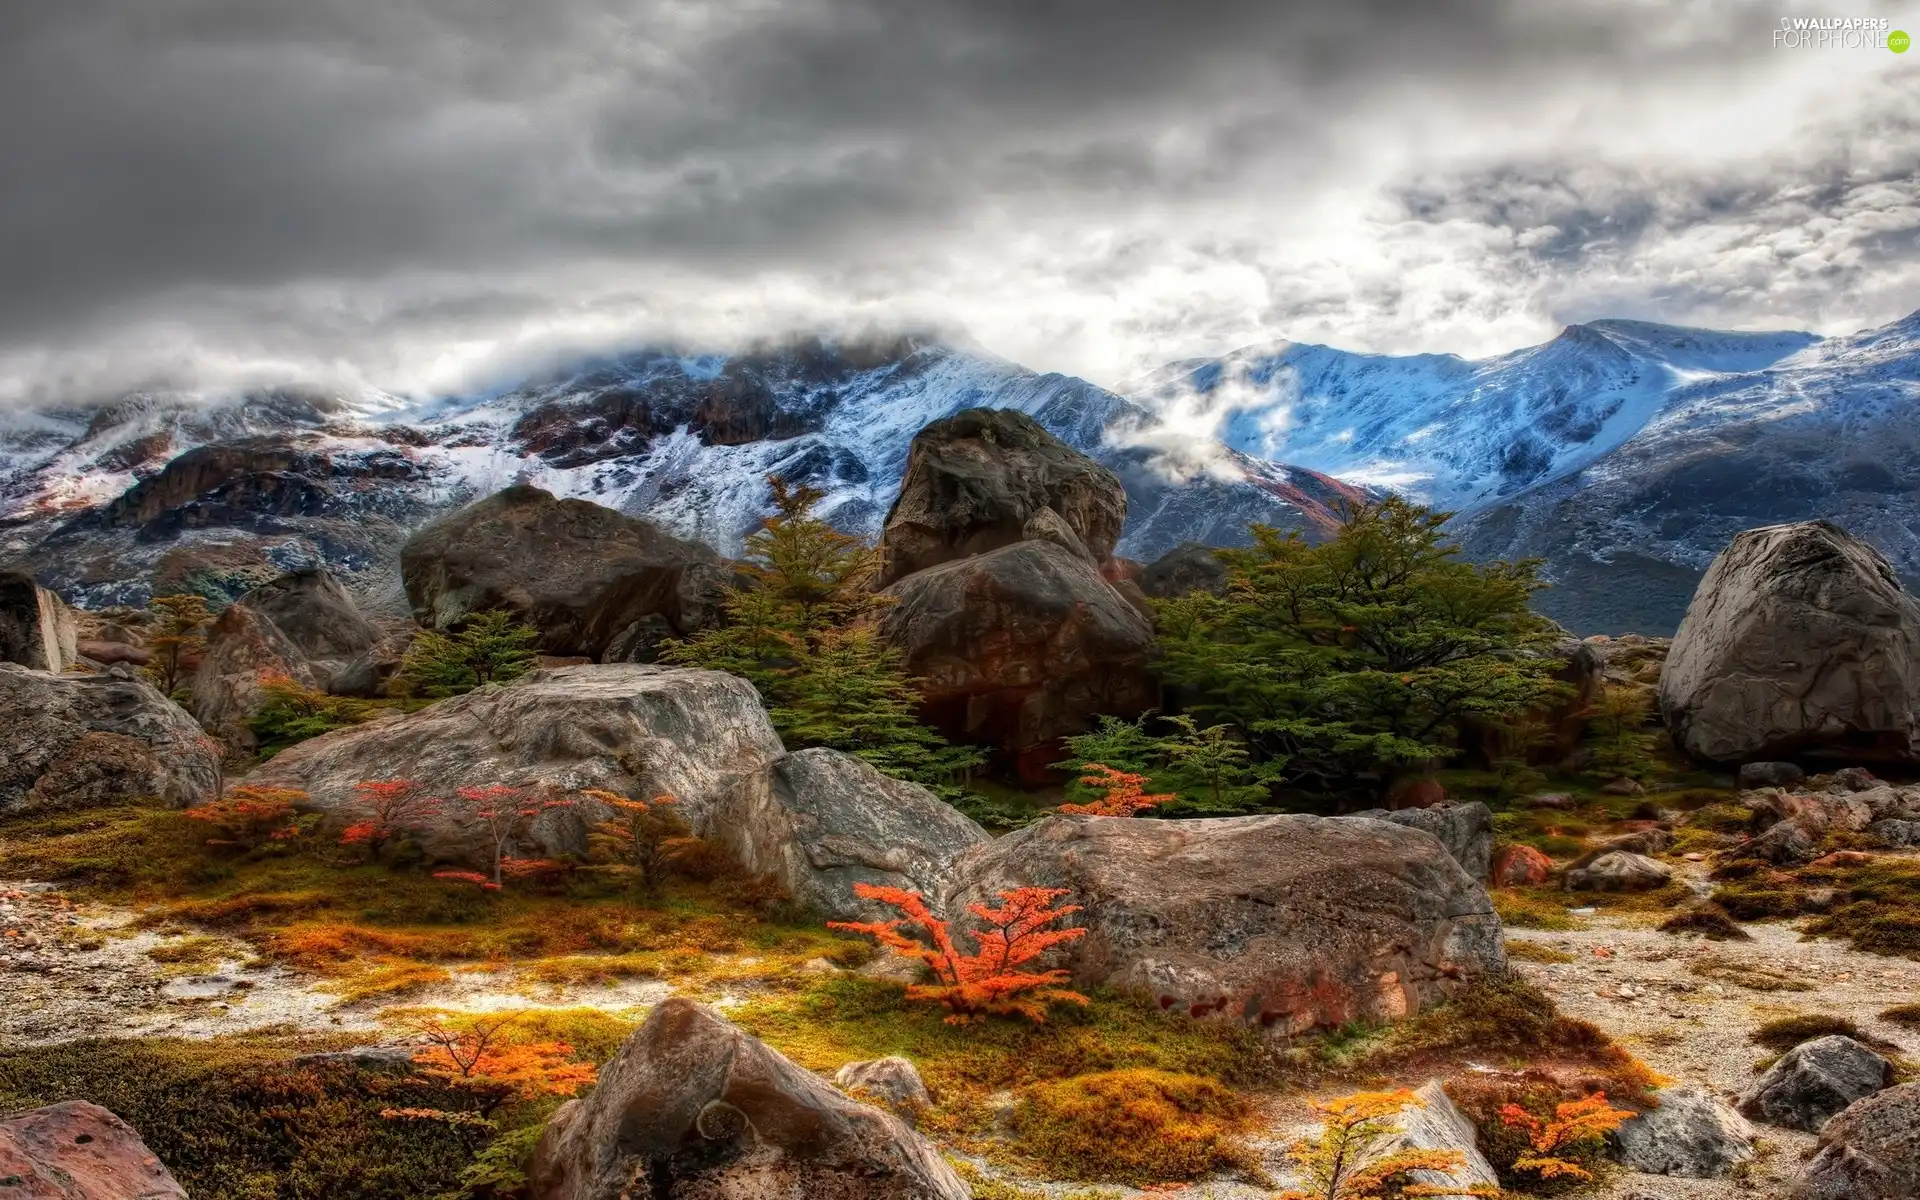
[(1284, 922)]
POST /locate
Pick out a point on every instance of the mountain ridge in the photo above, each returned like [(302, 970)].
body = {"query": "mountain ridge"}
[(1622, 452)]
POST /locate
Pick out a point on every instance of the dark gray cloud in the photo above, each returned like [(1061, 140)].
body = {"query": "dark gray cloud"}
[(409, 191)]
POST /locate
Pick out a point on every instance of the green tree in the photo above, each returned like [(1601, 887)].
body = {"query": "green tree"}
[(1209, 769), (176, 636), (802, 631), (1618, 740), (1362, 656), (492, 647)]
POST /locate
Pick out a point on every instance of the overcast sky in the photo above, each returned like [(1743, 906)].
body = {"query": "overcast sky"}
[(418, 194)]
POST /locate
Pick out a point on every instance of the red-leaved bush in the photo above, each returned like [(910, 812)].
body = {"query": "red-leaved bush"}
[(251, 818), (385, 809), (499, 814), (1124, 797), (989, 981)]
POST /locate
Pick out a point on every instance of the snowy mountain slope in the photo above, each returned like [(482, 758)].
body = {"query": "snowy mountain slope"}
[(1624, 453), (1832, 431), (1458, 433), (216, 492)]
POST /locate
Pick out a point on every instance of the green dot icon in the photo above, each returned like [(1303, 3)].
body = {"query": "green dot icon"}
[(1898, 41)]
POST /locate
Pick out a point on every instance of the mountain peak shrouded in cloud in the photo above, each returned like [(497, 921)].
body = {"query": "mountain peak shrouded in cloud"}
[(421, 198)]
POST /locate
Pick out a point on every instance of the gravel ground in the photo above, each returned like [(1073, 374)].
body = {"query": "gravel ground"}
[(1669, 999), (68, 972)]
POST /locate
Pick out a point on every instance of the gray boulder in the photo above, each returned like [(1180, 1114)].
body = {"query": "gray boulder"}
[(1871, 1151), (1619, 871), (1799, 641), (79, 1151), (893, 1081), (1814, 1081), (985, 478), (1690, 1134), (76, 741), (37, 629), (1896, 832), (634, 730), (1436, 1123), (587, 577), (1282, 922), (693, 1107), (1466, 830), (1770, 774), (821, 821)]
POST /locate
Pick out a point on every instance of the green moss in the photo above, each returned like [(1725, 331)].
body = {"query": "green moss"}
[(1785, 1033), (240, 1119), (1877, 907)]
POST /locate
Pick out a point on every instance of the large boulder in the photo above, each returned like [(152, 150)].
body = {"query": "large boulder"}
[(75, 741), (986, 478), (1286, 922), (1800, 641), (302, 625), (1020, 646), (590, 579), (693, 1107), (1871, 1151), (1188, 567), (1689, 1133), (1466, 830), (36, 627), (79, 1151), (634, 730), (820, 821), (1813, 1081)]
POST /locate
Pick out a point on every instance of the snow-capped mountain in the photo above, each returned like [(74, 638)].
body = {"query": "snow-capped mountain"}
[(1624, 453), (215, 492)]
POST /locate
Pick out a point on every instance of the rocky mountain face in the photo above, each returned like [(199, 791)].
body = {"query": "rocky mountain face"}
[(1625, 454), (219, 494)]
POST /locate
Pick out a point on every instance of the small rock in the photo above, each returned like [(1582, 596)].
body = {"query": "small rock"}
[(1619, 871), (1814, 1081), (1436, 1123), (893, 1081), (1690, 1134), (1553, 800), (1852, 779), (1519, 866), (1623, 787)]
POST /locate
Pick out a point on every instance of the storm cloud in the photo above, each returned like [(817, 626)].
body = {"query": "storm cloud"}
[(417, 194)]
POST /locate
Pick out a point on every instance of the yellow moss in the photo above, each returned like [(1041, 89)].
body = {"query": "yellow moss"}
[(1133, 1126), (1534, 908), (1537, 952), (386, 982)]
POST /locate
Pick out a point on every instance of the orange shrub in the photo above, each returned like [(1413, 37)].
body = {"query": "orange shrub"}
[(989, 981), (1124, 795)]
